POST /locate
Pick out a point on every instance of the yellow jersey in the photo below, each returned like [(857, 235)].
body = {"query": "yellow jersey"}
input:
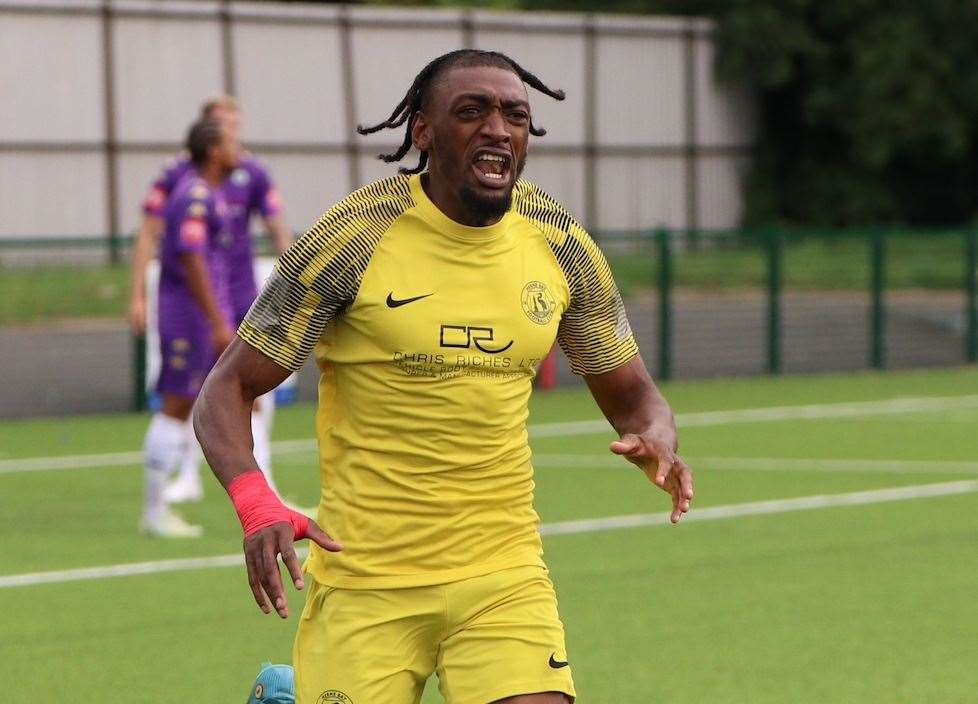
[(428, 334)]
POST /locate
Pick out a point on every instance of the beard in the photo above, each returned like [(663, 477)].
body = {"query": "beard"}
[(489, 207)]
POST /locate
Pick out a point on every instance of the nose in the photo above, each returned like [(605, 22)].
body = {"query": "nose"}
[(495, 126)]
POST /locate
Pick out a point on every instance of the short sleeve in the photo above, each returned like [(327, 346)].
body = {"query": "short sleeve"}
[(319, 276), (266, 198), (154, 203), (594, 331)]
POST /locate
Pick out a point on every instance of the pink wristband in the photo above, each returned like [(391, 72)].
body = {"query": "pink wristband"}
[(258, 506)]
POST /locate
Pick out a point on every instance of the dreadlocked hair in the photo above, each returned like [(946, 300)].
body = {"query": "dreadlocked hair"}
[(417, 94)]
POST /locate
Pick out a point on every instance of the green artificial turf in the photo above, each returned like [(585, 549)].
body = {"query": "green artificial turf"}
[(871, 603)]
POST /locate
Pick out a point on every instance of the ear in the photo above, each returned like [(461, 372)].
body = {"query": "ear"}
[(421, 132)]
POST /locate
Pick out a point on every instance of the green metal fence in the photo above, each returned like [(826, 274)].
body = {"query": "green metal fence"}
[(786, 301), (768, 301)]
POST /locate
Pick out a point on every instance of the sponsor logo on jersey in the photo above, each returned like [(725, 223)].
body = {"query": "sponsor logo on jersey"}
[(468, 336), (240, 177), (538, 303), (397, 303), (193, 232), (333, 696), (557, 664)]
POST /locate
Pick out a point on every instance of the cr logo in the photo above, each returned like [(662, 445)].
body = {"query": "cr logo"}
[(467, 336)]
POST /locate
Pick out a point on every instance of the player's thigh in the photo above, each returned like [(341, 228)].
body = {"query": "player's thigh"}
[(364, 646), (539, 698), (507, 641)]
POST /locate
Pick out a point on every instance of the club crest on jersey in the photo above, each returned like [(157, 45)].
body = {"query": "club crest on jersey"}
[(332, 696), (240, 177), (193, 232), (538, 302)]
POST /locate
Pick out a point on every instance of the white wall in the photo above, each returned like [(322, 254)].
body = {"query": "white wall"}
[(288, 73)]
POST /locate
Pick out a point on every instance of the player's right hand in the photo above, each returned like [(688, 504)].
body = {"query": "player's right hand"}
[(137, 314), (262, 549)]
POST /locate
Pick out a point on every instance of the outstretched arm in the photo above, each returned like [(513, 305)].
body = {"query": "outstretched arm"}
[(143, 251), (222, 421), (641, 416)]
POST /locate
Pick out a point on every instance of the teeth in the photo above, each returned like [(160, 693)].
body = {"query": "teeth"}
[(490, 157), (492, 175)]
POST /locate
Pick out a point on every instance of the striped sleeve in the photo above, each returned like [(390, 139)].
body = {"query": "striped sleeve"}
[(319, 276), (594, 331)]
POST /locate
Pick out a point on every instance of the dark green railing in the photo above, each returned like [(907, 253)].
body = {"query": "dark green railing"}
[(880, 267), (759, 301)]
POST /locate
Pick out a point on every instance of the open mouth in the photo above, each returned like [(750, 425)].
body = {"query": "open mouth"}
[(492, 167)]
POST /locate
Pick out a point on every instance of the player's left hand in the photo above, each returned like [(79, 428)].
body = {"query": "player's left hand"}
[(656, 455)]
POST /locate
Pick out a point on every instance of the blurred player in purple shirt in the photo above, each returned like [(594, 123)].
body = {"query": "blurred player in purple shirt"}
[(248, 190), (196, 316)]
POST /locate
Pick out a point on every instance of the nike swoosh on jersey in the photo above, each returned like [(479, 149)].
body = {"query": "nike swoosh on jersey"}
[(394, 303), (557, 664)]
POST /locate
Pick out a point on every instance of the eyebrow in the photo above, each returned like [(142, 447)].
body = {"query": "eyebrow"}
[(485, 99)]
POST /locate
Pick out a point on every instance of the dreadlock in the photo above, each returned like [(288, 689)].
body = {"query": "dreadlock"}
[(417, 95)]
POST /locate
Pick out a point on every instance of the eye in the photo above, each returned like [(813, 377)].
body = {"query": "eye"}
[(519, 115), (469, 111)]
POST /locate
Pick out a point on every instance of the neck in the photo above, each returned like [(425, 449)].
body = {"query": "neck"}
[(212, 173), (447, 200)]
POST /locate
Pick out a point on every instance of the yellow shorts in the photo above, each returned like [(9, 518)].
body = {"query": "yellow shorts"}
[(487, 637)]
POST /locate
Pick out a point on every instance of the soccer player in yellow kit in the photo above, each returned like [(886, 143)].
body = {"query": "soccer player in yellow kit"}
[(430, 297)]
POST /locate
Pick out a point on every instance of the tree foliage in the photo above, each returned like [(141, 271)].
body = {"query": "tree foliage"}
[(868, 109)]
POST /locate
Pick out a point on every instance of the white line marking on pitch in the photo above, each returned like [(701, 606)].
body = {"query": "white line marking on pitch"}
[(760, 508), (587, 525), (546, 430), (767, 464)]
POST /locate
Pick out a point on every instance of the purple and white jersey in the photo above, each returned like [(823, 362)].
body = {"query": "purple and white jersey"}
[(196, 218), (247, 190)]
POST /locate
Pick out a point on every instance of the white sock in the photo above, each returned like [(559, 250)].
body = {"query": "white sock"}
[(262, 447), (166, 440), (266, 409), (192, 457)]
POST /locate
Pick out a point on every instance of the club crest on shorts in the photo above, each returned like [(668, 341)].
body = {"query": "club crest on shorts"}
[(333, 696), (538, 302)]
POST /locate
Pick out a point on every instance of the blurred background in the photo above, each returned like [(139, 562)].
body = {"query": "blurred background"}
[(787, 192), (780, 187)]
